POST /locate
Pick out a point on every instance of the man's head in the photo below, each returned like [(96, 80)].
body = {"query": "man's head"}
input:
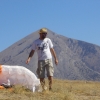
[(43, 33)]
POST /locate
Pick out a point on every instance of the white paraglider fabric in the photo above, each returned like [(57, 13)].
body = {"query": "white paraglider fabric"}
[(18, 75)]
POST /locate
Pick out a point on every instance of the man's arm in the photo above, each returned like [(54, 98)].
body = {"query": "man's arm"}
[(30, 56), (54, 55)]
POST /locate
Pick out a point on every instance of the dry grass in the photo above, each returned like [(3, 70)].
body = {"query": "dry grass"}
[(62, 90)]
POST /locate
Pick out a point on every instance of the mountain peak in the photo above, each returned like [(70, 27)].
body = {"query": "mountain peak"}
[(78, 60)]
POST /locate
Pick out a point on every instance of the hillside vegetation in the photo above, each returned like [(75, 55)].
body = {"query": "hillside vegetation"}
[(62, 90)]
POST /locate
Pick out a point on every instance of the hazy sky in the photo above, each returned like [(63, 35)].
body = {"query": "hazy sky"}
[(77, 19)]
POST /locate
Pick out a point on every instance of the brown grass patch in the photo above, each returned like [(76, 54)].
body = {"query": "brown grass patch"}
[(62, 90)]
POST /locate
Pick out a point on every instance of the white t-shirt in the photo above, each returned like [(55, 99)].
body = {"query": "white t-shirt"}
[(43, 48)]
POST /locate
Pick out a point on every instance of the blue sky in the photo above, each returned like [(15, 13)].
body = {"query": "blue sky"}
[(77, 19)]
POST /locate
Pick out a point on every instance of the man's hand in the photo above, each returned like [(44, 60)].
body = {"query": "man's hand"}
[(30, 55), (56, 61), (27, 61)]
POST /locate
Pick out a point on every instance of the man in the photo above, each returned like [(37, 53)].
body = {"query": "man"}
[(44, 49)]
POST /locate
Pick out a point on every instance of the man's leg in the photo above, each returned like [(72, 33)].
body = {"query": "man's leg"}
[(41, 73), (42, 81), (50, 78), (50, 71)]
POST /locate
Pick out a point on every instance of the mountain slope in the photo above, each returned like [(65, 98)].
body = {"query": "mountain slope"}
[(78, 60)]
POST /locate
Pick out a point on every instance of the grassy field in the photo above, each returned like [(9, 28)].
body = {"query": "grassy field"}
[(62, 90)]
